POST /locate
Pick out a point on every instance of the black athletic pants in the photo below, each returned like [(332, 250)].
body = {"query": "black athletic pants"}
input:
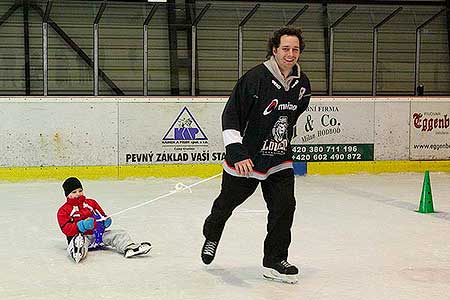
[(278, 192)]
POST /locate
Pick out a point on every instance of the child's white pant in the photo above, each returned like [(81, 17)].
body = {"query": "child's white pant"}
[(115, 238)]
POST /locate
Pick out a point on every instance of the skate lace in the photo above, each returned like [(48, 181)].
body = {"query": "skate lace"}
[(285, 264), (210, 248)]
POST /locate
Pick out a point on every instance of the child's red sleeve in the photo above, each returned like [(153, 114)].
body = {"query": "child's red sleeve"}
[(66, 223)]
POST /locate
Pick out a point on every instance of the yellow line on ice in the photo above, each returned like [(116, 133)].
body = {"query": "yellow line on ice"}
[(109, 172), (207, 170)]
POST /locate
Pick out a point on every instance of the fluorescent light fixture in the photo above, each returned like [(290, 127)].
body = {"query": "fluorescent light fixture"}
[(156, 0)]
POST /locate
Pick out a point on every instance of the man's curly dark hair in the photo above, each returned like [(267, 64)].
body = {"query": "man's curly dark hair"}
[(274, 41)]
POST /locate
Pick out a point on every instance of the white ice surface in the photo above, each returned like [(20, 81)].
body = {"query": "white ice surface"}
[(354, 237)]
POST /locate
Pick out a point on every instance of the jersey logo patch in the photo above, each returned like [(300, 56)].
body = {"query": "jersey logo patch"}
[(280, 129), (277, 144), (301, 93), (270, 107), (276, 84)]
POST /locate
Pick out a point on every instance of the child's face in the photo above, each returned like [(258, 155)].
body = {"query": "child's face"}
[(76, 193)]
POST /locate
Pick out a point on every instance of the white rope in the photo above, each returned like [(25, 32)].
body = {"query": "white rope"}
[(178, 188)]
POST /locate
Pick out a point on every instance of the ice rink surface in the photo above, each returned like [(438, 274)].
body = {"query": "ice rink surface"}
[(354, 237)]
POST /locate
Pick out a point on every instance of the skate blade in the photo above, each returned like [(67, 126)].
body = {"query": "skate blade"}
[(77, 258), (78, 250), (273, 275), (143, 249)]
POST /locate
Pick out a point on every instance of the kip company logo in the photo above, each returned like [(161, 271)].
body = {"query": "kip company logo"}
[(185, 130)]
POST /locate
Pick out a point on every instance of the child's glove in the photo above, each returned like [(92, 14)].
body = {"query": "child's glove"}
[(86, 224), (107, 222)]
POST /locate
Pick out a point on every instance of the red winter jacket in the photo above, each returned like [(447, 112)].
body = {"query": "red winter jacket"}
[(74, 210)]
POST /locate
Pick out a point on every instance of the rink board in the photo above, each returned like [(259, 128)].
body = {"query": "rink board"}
[(108, 137)]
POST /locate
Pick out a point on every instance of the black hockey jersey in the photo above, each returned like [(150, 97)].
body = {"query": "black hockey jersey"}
[(259, 117)]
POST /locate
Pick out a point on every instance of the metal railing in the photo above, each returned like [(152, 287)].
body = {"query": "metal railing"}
[(150, 9)]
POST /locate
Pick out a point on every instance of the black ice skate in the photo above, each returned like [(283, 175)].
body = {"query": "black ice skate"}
[(209, 251), (134, 250), (281, 271)]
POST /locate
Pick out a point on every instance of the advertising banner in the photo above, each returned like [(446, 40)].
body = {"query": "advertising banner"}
[(335, 130), (430, 130), (179, 133)]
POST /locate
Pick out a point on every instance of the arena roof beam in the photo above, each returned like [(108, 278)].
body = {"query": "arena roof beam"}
[(26, 46), (418, 44), (96, 46), (9, 13), (326, 41), (297, 15), (350, 2), (448, 25), (48, 8), (174, 60), (145, 37), (375, 48), (78, 50), (240, 39), (194, 70), (331, 52)]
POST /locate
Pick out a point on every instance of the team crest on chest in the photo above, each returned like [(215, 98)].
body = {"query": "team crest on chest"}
[(278, 142)]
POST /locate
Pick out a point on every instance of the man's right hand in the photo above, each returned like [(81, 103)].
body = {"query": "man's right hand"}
[(244, 167)]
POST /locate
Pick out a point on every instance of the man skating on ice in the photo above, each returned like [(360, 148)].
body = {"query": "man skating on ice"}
[(257, 124)]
